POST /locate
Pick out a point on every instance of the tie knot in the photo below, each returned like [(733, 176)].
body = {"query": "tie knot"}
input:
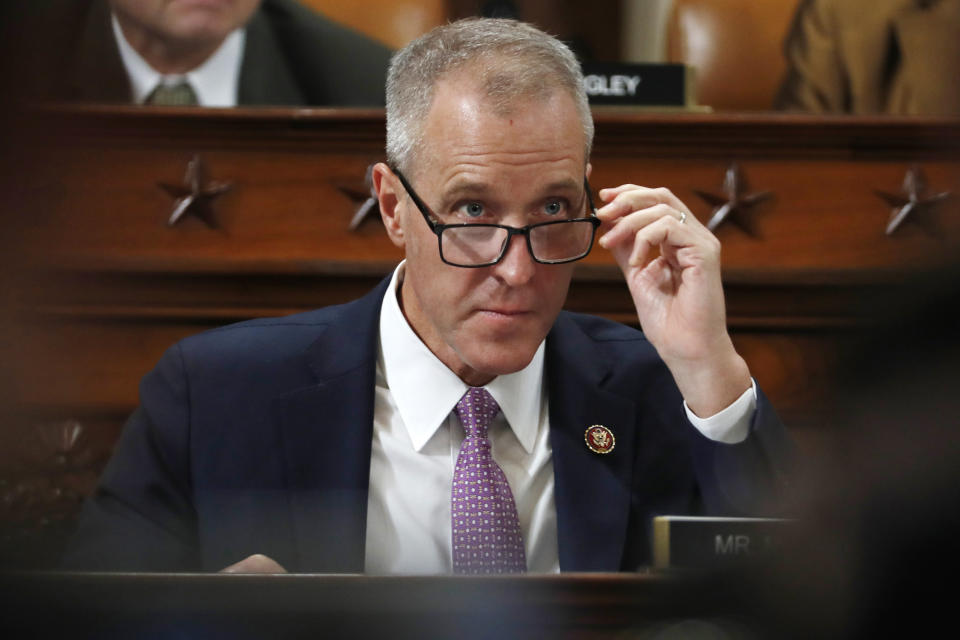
[(179, 93), (476, 410)]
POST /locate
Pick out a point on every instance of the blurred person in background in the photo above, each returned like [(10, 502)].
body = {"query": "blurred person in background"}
[(899, 57), (216, 53)]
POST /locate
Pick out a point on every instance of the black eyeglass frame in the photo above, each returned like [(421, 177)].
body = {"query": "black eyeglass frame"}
[(439, 227)]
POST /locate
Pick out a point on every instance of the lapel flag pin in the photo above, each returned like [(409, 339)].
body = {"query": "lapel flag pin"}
[(599, 439)]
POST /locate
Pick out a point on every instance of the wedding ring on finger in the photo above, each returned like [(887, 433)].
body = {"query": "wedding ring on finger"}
[(683, 217)]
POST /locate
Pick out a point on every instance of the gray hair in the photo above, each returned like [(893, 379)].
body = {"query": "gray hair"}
[(511, 60)]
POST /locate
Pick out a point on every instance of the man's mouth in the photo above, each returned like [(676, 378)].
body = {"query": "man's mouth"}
[(504, 311)]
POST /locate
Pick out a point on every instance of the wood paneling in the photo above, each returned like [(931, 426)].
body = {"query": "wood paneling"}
[(93, 246)]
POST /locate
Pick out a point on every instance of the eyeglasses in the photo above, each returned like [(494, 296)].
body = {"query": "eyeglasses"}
[(483, 245)]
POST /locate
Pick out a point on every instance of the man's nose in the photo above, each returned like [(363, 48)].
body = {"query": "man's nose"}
[(517, 266)]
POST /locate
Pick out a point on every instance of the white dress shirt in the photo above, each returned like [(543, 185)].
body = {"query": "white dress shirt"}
[(215, 82), (417, 437)]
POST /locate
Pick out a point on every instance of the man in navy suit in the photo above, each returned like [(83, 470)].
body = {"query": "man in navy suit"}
[(327, 441)]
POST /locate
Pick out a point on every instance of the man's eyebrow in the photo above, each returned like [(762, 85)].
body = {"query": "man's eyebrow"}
[(465, 187), (567, 184)]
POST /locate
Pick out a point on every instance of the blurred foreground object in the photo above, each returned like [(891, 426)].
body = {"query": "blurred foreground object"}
[(882, 512)]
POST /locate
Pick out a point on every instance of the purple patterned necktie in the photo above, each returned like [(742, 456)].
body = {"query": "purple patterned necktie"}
[(485, 527)]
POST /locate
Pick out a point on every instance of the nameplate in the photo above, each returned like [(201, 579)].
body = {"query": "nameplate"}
[(636, 84), (689, 542)]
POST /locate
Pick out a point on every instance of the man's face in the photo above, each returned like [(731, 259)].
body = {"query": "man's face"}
[(191, 21), (475, 166)]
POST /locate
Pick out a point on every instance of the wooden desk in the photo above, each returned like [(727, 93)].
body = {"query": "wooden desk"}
[(97, 285)]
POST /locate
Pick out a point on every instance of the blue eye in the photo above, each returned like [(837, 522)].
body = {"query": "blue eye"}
[(554, 207), (472, 209)]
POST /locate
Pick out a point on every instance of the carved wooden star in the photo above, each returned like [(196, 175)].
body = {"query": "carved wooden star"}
[(195, 196), (365, 197), (733, 205), (915, 201)]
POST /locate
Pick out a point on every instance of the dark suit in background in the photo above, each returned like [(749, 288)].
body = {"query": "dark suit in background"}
[(292, 56), (256, 438)]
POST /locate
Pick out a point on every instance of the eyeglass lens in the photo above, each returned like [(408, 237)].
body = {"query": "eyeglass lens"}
[(552, 242)]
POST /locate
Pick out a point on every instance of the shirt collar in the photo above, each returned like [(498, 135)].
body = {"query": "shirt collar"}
[(215, 81), (426, 391)]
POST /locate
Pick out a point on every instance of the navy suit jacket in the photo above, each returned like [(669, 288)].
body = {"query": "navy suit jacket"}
[(256, 438)]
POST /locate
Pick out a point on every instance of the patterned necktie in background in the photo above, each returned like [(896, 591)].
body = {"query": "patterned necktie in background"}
[(485, 527), (180, 94)]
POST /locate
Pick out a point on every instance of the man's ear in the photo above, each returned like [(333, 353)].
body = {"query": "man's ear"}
[(387, 185)]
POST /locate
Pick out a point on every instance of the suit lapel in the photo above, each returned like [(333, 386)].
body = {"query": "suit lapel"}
[(592, 491), (97, 73), (265, 76), (327, 430)]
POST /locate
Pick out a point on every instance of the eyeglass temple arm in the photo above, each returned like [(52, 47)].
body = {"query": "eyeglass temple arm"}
[(421, 205), (586, 188)]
